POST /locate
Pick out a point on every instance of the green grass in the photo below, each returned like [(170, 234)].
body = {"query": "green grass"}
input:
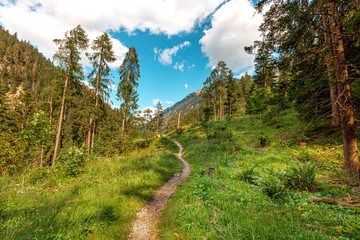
[(236, 200), (99, 203)]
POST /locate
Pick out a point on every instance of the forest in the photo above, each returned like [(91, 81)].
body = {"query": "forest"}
[(273, 155)]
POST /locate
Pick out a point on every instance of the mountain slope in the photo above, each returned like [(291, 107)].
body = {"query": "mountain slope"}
[(189, 103)]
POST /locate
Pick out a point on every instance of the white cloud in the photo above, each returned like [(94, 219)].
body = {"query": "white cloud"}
[(234, 26), (156, 101), (192, 66), (141, 112), (179, 66), (41, 21), (86, 83), (165, 55), (186, 86), (169, 102)]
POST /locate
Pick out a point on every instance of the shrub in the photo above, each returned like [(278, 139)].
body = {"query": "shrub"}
[(271, 183), (72, 160), (301, 176), (263, 141), (246, 175)]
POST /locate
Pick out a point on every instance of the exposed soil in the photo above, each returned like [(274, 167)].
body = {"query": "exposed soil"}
[(145, 226)]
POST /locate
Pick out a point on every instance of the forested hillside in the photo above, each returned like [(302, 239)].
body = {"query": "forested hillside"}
[(40, 117)]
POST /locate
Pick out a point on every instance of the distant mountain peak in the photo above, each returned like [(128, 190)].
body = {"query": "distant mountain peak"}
[(187, 104)]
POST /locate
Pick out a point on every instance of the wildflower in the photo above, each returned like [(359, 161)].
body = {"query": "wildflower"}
[(204, 238), (340, 218)]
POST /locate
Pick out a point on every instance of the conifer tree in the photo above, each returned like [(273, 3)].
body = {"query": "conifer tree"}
[(159, 114), (68, 55), (129, 72), (103, 55)]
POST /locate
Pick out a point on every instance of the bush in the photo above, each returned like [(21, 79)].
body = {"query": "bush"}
[(263, 141), (72, 160), (246, 175), (301, 176), (271, 183)]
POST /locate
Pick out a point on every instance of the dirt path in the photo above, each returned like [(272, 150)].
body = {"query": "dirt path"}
[(145, 226)]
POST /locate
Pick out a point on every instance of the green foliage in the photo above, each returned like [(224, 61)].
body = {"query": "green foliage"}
[(231, 200), (301, 176), (263, 141), (271, 182), (100, 203), (72, 160), (247, 174)]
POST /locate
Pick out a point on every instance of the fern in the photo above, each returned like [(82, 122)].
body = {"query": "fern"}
[(301, 176)]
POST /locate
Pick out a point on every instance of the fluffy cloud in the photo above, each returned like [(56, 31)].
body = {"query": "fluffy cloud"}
[(234, 26), (41, 21), (156, 101), (179, 66), (165, 55)]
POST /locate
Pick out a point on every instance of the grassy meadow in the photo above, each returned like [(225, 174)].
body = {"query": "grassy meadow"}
[(255, 177), (94, 200)]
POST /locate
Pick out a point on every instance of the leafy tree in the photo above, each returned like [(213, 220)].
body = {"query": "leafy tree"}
[(68, 55), (103, 55), (129, 72)]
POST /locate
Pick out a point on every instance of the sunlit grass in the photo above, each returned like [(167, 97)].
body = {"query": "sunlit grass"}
[(100, 203), (225, 205)]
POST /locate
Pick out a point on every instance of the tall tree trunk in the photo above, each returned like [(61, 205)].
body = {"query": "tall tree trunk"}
[(58, 134), (123, 128), (214, 110), (329, 59), (157, 125), (221, 108), (92, 138), (351, 156), (91, 133), (178, 121), (51, 109), (41, 155), (88, 143)]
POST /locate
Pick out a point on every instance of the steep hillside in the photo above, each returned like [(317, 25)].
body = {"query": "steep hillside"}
[(190, 102)]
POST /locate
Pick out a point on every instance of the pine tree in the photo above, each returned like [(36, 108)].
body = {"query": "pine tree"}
[(129, 72), (159, 114), (103, 55), (313, 34), (68, 55)]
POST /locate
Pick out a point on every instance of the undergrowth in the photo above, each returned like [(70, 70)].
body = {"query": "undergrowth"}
[(262, 179)]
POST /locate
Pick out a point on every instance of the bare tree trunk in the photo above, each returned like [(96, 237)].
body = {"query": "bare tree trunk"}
[(92, 124), (214, 110), (157, 125), (178, 121), (51, 110), (123, 128), (41, 156), (57, 142), (89, 135), (329, 59), (221, 117), (351, 156), (92, 138)]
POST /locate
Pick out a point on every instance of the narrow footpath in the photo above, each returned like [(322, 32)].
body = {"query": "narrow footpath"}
[(145, 226)]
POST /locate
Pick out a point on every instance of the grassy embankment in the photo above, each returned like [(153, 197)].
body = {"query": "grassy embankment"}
[(252, 180), (96, 201)]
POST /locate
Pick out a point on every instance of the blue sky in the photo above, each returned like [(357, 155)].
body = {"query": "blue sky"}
[(178, 41)]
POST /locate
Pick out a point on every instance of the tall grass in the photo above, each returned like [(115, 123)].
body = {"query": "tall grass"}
[(98, 203)]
